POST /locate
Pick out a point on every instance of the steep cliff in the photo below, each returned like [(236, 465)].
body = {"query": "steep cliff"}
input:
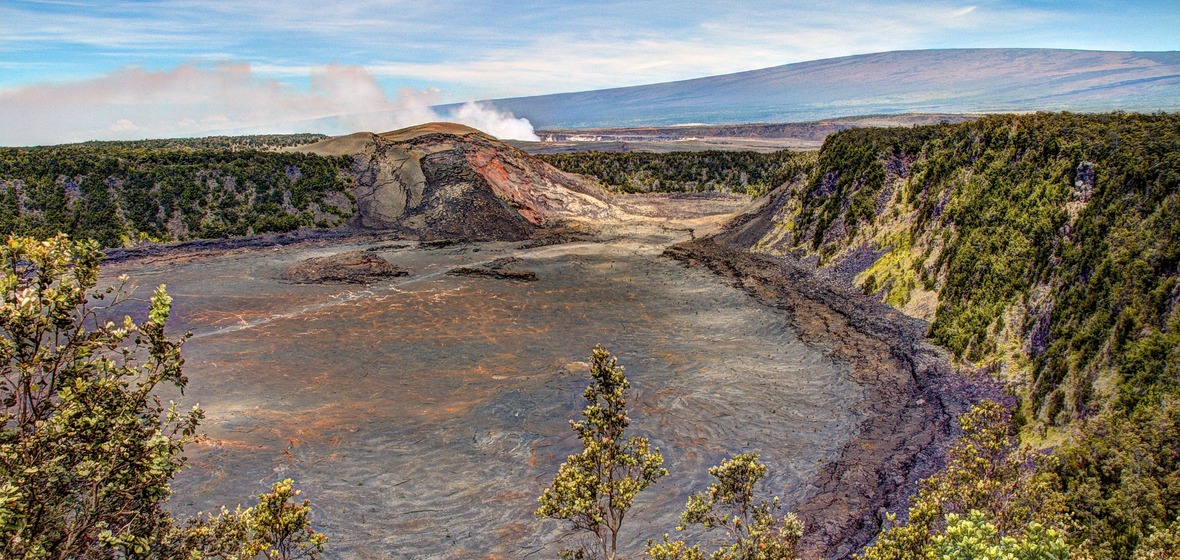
[(1043, 245), (1044, 249)]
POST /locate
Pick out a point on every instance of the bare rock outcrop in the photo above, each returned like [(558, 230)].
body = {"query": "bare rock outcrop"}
[(449, 181), (500, 269), (354, 267)]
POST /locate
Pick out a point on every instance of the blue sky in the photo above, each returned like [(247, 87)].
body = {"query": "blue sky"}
[(444, 50)]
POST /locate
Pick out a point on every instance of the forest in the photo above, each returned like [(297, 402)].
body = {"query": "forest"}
[(122, 193), (749, 173)]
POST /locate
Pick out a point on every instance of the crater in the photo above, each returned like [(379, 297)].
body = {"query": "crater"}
[(424, 414)]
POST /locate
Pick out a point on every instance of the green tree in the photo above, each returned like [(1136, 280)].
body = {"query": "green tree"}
[(976, 537), (87, 447), (595, 489), (276, 528), (1010, 487), (754, 531)]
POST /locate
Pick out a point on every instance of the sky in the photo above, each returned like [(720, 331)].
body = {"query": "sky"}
[(76, 69)]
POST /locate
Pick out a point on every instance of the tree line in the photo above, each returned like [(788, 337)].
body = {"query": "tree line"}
[(121, 195), (248, 142), (749, 173)]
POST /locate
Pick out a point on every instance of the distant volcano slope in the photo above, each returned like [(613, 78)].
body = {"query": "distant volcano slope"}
[(449, 181), (924, 81)]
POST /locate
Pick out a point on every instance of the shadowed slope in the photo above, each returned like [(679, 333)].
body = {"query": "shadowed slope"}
[(945, 80)]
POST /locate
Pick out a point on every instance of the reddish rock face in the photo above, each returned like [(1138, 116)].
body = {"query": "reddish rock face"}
[(538, 191), (449, 181)]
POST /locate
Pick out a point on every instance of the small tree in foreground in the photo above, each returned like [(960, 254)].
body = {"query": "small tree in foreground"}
[(275, 528), (755, 532), (991, 488), (87, 448), (595, 489)]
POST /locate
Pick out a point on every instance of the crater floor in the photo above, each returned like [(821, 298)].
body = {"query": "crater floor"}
[(423, 415)]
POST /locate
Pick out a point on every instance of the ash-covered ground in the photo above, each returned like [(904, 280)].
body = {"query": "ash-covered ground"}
[(423, 415)]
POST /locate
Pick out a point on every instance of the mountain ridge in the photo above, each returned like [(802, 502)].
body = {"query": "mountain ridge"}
[(932, 81)]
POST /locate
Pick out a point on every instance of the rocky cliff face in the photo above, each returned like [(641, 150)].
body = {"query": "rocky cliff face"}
[(450, 181), (1042, 246)]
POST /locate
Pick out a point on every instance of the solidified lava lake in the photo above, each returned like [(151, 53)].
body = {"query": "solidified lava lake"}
[(423, 415)]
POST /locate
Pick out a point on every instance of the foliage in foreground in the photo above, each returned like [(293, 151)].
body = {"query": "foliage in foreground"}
[(594, 490), (992, 493), (275, 528), (753, 530), (87, 448), (976, 537)]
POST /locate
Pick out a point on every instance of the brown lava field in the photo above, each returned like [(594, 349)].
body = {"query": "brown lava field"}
[(424, 414)]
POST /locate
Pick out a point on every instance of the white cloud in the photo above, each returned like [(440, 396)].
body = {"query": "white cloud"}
[(193, 100), (124, 125), (741, 37), (471, 50), (523, 47)]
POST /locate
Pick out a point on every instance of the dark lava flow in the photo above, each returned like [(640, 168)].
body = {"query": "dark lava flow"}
[(424, 415)]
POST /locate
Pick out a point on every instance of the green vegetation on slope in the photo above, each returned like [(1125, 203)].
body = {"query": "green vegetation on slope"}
[(991, 494), (1042, 247), (255, 141), (749, 173), (119, 195), (1072, 218)]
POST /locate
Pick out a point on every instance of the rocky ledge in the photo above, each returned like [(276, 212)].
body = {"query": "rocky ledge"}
[(498, 268), (914, 396), (355, 267)]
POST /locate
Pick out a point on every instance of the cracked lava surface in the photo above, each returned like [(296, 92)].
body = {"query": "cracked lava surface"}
[(423, 415)]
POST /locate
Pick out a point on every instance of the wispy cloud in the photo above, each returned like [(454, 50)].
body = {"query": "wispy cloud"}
[(194, 100), (731, 41), (492, 49)]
